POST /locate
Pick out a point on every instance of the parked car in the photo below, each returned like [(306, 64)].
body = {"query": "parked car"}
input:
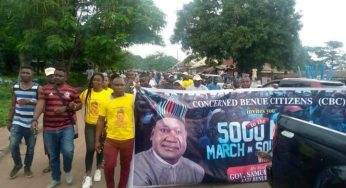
[(302, 82), (307, 155)]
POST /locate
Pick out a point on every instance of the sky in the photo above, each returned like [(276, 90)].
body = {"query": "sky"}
[(322, 20)]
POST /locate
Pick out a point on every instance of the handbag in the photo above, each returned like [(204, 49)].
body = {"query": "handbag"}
[(75, 126)]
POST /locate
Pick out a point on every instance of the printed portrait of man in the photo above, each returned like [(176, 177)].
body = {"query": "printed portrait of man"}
[(120, 116), (163, 163)]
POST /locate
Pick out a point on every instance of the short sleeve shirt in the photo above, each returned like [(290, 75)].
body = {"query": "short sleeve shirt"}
[(53, 121), (94, 101), (119, 113)]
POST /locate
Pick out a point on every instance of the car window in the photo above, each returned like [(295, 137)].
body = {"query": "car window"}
[(294, 84), (329, 84), (270, 84)]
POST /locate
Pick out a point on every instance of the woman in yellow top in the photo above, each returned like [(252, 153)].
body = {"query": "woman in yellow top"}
[(92, 98)]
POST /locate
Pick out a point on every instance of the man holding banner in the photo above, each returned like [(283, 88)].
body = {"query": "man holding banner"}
[(163, 164)]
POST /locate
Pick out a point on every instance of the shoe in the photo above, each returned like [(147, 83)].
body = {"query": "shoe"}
[(97, 175), (87, 182), (53, 184), (27, 172), (15, 171), (69, 177), (47, 169)]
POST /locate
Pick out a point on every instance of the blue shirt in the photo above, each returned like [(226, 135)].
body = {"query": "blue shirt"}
[(213, 86)]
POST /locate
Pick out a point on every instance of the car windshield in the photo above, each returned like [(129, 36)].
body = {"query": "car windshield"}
[(294, 84)]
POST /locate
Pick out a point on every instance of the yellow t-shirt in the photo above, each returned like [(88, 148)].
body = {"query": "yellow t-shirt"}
[(93, 106), (108, 90), (119, 113), (187, 83)]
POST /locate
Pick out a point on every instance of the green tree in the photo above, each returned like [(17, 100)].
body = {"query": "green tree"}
[(251, 32), (330, 54), (129, 61), (157, 62), (78, 30)]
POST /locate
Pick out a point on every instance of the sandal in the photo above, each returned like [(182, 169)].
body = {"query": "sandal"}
[(46, 170)]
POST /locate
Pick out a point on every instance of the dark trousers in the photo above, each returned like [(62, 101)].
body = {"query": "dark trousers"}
[(111, 150), (90, 133)]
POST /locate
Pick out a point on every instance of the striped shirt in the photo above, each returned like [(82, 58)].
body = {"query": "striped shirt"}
[(24, 114), (53, 121)]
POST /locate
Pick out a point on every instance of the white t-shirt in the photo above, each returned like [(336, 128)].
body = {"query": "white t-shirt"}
[(152, 82), (200, 88)]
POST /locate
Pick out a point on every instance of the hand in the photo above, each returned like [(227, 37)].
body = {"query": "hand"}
[(98, 147), (72, 105), (60, 110), (22, 102), (9, 126), (34, 126), (137, 85)]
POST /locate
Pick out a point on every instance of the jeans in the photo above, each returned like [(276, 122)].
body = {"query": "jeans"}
[(17, 133), (60, 141), (111, 150), (90, 133)]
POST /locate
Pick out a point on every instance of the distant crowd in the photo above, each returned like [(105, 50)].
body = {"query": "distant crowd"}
[(182, 80)]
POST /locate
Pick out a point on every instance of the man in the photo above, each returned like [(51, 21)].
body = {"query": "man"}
[(236, 84), (197, 84), (170, 83), (130, 81), (60, 101), (164, 163), (177, 85), (163, 84), (119, 112), (24, 98), (245, 82), (187, 82), (144, 80), (49, 72), (213, 85), (152, 81)]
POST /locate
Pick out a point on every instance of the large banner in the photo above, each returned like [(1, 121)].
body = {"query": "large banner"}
[(225, 136)]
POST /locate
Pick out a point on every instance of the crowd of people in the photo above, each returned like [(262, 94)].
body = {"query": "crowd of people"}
[(184, 81), (109, 124)]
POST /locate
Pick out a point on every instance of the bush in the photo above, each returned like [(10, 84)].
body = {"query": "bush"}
[(77, 79), (5, 100)]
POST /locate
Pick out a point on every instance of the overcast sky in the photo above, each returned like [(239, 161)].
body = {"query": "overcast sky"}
[(323, 20)]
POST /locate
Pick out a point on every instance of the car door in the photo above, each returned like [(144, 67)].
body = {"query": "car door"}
[(307, 155)]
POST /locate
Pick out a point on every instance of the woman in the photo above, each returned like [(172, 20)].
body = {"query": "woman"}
[(92, 98), (106, 84)]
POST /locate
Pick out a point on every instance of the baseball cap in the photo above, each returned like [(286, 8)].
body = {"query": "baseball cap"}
[(179, 82), (49, 71), (196, 77), (185, 73)]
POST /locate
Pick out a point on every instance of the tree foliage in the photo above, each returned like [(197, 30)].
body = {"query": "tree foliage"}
[(129, 61), (158, 62), (251, 32), (331, 54), (77, 30)]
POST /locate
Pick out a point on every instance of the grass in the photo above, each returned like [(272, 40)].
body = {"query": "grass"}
[(5, 100)]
